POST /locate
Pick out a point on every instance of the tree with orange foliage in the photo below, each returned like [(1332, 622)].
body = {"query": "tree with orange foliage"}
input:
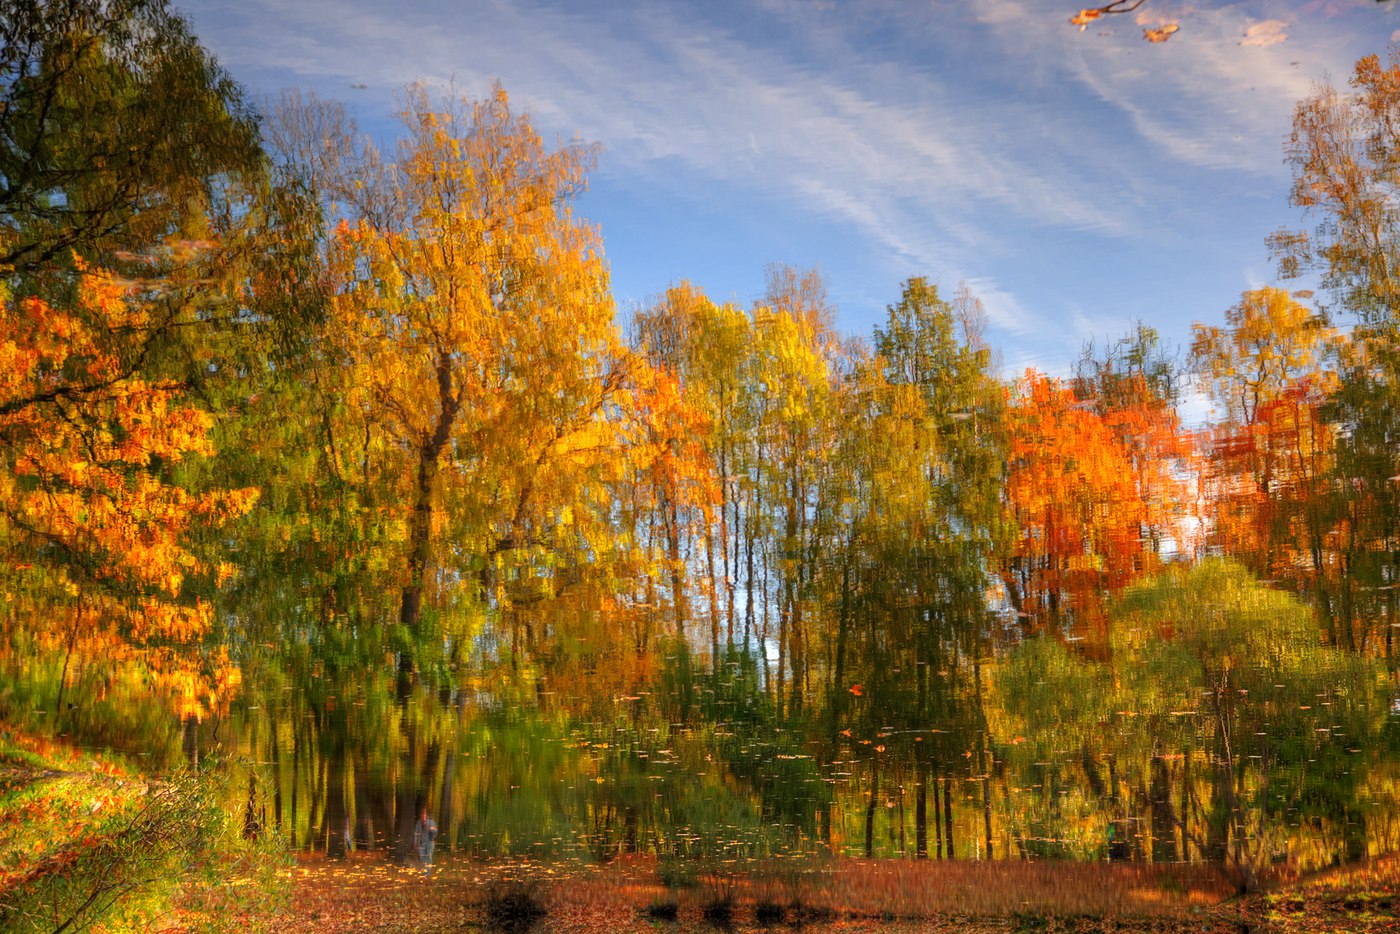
[(1075, 493), (482, 397), (92, 511), (1132, 384)]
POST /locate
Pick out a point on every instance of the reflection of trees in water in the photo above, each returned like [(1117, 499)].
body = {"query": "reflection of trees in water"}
[(1220, 730)]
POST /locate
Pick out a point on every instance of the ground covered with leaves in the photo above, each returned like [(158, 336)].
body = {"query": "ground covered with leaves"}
[(366, 893)]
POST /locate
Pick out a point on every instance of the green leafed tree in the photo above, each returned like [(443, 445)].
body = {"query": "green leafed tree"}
[(1230, 723), (113, 120)]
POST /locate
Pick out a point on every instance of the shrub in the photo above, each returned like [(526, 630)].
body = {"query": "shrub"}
[(769, 913), (665, 910), (514, 906)]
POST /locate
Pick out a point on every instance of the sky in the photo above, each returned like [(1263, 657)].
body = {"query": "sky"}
[(1076, 180)]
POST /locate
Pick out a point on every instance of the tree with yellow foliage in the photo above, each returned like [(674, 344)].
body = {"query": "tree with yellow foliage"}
[(482, 397), (1271, 370)]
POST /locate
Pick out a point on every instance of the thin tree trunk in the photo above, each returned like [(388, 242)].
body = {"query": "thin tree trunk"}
[(296, 779), (750, 533), (276, 771), (870, 810), (921, 810), (937, 824), (673, 554), (987, 812), (982, 757), (903, 848), (445, 815), (714, 599), (724, 542), (948, 815), (334, 819)]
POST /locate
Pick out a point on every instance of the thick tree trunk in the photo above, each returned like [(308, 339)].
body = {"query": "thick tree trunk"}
[(335, 820), (381, 810), (412, 796), (364, 807), (1356, 846), (421, 522), (445, 810), (1217, 820), (189, 739), (1163, 816)]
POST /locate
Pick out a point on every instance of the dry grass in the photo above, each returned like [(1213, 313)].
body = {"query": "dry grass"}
[(906, 888)]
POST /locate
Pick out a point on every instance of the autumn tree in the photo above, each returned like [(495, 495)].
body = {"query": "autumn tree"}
[(671, 334), (1076, 499), (1096, 485), (473, 322), (131, 178), (1272, 370), (793, 371), (113, 120), (1343, 150), (480, 402), (911, 570), (1133, 384), (92, 510), (762, 382)]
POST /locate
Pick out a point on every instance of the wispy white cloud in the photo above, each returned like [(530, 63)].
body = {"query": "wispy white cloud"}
[(1265, 33), (1201, 99), (1005, 311), (949, 137), (904, 155)]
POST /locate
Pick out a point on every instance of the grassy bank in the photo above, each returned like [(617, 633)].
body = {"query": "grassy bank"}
[(88, 842)]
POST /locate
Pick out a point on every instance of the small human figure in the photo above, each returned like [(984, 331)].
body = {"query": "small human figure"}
[(424, 837)]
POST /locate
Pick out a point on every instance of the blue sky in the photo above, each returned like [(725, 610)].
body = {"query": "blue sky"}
[(1077, 180)]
